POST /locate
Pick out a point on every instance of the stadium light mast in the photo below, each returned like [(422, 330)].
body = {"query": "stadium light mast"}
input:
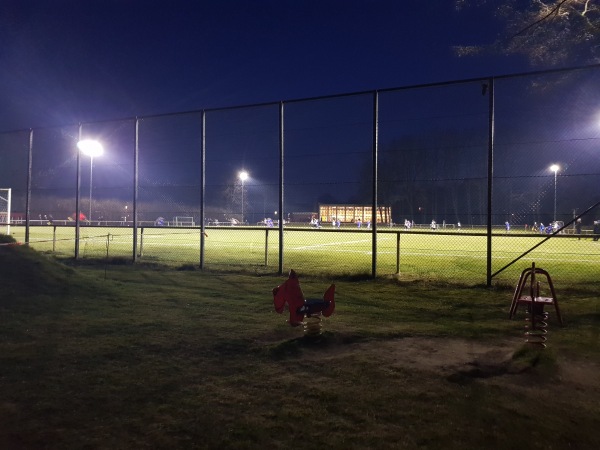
[(243, 176), (92, 149), (555, 168)]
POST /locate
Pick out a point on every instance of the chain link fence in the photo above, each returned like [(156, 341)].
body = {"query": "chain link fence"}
[(467, 181)]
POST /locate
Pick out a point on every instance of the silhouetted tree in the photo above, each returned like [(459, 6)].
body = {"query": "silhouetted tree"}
[(548, 33)]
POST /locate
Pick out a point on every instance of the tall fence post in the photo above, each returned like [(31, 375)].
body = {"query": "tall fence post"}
[(490, 179), (29, 181), (136, 151), (374, 187), (77, 194), (202, 186), (281, 177)]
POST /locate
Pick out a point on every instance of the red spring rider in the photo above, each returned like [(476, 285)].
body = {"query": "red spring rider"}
[(299, 307)]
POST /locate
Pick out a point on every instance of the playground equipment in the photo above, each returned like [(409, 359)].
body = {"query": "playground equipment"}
[(303, 311), (536, 318)]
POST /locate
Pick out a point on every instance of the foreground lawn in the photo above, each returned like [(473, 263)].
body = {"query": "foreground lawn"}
[(148, 357)]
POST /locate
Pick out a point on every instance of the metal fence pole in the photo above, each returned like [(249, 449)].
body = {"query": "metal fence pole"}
[(374, 182), (136, 152), (490, 178), (77, 194), (202, 186), (28, 193), (281, 203)]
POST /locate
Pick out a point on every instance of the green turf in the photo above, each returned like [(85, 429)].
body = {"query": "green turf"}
[(459, 257)]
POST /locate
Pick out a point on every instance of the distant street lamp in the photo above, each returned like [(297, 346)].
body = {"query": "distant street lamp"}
[(555, 168), (243, 175), (92, 149)]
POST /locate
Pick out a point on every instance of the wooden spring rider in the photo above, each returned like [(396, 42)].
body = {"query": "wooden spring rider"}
[(537, 318)]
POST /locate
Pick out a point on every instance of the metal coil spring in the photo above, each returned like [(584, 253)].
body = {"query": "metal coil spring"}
[(312, 326), (536, 328)]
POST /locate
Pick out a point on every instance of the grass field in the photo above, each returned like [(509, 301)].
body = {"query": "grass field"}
[(136, 356), (458, 257)]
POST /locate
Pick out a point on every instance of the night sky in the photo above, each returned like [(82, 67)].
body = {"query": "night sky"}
[(62, 62), (99, 61)]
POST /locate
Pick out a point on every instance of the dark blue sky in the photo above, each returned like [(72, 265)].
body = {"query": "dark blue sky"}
[(62, 62)]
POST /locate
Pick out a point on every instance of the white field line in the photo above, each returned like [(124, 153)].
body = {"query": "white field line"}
[(330, 244)]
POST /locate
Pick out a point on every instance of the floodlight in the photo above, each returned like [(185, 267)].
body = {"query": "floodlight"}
[(90, 147)]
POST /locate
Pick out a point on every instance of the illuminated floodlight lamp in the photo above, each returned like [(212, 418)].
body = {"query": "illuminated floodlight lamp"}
[(90, 147)]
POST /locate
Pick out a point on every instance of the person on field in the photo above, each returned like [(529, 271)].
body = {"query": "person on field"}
[(578, 228), (82, 217)]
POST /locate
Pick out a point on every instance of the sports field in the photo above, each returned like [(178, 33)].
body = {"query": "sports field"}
[(457, 257)]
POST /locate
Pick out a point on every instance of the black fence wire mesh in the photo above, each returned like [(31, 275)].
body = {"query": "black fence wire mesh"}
[(461, 181)]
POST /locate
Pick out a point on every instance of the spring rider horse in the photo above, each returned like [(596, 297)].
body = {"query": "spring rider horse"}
[(301, 308)]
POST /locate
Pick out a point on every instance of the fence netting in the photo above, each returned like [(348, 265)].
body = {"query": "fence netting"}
[(468, 181)]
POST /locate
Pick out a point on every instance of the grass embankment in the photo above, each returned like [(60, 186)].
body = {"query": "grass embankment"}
[(147, 357)]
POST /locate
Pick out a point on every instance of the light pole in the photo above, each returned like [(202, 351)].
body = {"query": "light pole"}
[(243, 175), (92, 149), (555, 168)]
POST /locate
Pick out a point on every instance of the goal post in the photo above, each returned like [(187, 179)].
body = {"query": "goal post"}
[(181, 221), (5, 200)]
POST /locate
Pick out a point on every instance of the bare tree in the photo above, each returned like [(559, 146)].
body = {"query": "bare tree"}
[(547, 32)]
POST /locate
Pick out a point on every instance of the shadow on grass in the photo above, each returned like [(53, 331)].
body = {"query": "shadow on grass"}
[(323, 342)]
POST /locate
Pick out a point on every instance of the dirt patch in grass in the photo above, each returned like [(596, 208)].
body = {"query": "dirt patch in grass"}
[(457, 360)]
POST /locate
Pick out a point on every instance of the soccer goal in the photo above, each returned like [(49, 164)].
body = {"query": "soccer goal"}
[(179, 221), (5, 210)]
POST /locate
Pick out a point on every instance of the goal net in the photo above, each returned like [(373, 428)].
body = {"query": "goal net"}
[(5, 211), (179, 221)]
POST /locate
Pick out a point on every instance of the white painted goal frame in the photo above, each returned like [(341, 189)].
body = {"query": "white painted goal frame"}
[(180, 221), (5, 200)]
